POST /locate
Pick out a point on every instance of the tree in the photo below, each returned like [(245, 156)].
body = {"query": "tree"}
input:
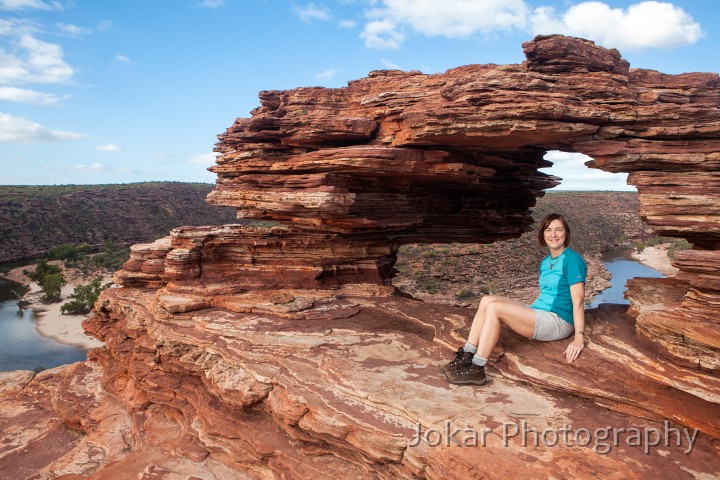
[(51, 285), (64, 251), (42, 269), (71, 254), (50, 279), (81, 301)]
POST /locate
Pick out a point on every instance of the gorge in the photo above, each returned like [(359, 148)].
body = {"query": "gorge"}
[(238, 352)]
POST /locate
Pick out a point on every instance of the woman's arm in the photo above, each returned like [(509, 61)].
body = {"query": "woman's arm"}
[(577, 292)]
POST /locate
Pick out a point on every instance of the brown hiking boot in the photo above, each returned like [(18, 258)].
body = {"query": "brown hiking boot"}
[(469, 374), (461, 358)]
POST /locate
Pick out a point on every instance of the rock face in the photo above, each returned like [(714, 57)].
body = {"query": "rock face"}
[(233, 352)]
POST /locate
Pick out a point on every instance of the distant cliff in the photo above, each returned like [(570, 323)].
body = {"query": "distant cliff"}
[(33, 219)]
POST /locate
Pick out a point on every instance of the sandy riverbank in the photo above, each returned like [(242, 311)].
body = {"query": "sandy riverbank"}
[(656, 257), (50, 322)]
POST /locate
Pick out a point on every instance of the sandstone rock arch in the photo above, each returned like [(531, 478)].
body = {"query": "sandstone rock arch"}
[(404, 157), (284, 351), (397, 157)]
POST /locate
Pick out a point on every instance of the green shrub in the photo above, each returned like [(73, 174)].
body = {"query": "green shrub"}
[(429, 284), (64, 251), (81, 301), (678, 244), (50, 279), (111, 256), (465, 294), (488, 287), (51, 285), (42, 269)]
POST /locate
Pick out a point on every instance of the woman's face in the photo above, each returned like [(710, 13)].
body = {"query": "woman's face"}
[(555, 235)]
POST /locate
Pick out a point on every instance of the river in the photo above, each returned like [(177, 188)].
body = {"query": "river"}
[(622, 267), (21, 346)]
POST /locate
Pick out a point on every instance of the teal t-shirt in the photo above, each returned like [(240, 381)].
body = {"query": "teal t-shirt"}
[(556, 276)]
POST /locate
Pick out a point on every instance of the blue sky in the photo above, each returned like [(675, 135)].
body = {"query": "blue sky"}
[(128, 91)]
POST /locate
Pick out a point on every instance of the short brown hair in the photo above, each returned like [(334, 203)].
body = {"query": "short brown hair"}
[(546, 222)]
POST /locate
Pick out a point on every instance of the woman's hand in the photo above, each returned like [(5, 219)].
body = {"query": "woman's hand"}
[(577, 292), (574, 349)]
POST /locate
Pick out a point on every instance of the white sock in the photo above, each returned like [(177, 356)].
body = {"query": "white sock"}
[(479, 361)]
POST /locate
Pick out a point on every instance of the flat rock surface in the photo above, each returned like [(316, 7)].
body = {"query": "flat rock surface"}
[(345, 397)]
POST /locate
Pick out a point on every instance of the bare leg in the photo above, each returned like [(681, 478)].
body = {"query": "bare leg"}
[(493, 310), (479, 318), (520, 318), (485, 332)]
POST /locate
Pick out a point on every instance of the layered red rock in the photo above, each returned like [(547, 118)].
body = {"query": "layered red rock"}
[(679, 320), (285, 351), (235, 259), (333, 159), (348, 387)]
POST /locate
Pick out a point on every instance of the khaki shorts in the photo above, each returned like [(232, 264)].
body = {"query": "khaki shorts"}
[(549, 326)]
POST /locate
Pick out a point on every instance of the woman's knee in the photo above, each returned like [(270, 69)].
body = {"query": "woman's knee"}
[(493, 310), (488, 299)]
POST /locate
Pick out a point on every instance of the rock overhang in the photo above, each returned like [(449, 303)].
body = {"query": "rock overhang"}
[(439, 157)]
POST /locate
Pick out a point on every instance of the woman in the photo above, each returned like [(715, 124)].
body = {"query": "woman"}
[(557, 312)]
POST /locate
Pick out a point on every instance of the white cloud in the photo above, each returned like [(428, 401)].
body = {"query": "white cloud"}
[(327, 74), (642, 25), (14, 27), (110, 147), (205, 159), (212, 3), (647, 24), (31, 97), (311, 12), (347, 23), (104, 25), (449, 18), (96, 167), (72, 30), (567, 159), (29, 60), (18, 130), (382, 35), (576, 176), (390, 65), (29, 4), (123, 59), (45, 61)]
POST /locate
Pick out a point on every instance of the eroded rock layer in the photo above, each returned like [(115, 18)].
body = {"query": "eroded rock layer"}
[(341, 393), (438, 148), (231, 259), (453, 157), (285, 352)]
